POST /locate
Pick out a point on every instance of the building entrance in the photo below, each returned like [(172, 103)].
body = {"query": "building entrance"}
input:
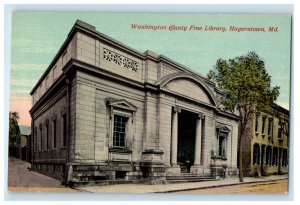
[(186, 139)]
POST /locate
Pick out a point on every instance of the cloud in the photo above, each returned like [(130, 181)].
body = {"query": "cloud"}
[(281, 77), (22, 82), (34, 46), (284, 105), (20, 93), (29, 67), (38, 50)]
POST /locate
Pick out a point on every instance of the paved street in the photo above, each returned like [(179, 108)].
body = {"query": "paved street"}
[(20, 179), (274, 187)]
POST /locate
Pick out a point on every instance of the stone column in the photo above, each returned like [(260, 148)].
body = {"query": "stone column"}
[(198, 137), (174, 136), (197, 168)]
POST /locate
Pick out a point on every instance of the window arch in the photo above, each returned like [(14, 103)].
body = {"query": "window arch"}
[(183, 75)]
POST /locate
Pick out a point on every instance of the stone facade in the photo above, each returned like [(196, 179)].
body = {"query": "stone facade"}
[(265, 149), (104, 111)]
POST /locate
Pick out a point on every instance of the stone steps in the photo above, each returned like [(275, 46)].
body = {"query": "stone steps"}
[(188, 177), (188, 180), (98, 182)]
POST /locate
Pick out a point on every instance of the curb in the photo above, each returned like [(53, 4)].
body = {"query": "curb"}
[(222, 185)]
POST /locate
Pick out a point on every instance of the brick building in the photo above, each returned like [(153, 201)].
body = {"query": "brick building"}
[(265, 149), (104, 111)]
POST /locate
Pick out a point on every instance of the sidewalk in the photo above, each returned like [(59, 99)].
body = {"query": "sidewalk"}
[(20, 179), (142, 188)]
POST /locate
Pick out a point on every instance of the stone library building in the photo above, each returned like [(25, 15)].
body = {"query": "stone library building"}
[(103, 113)]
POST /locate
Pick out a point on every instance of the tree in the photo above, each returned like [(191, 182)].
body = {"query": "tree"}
[(248, 89), (13, 129)]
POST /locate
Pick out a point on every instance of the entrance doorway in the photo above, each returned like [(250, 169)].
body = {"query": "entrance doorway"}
[(186, 140)]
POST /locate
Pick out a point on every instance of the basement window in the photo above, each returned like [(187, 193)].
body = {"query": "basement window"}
[(120, 174)]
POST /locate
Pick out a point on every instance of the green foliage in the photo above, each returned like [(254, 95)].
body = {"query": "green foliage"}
[(245, 81), (248, 89), (13, 128)]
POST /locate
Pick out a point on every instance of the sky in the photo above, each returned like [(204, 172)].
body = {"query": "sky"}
[(37, 36)]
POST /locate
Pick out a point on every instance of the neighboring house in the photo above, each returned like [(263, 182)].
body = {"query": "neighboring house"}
[(23, 140), (104, 111), (265, 150)]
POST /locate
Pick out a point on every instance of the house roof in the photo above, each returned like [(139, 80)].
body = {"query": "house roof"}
[(25, 130), (280, 108)]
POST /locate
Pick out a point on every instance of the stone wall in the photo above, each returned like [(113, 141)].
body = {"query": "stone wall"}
[(50, 159), (93, 134)]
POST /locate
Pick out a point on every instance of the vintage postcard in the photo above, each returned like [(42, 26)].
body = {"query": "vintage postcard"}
[(149, 103)]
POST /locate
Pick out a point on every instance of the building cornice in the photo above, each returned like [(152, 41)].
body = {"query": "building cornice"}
[(90, 30), (48, 93), (79, 65), (280, 109), (227, 114)]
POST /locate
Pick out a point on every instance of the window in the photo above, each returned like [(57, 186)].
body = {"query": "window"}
[(35, 139), (122, 121), (47, 136), (256, 154), (222, 135), (54, 133), (270, 127), (256, 123), (263, 125), (280, 128), (275, 156), (222, 144), (120, 174), (120, 127), (64, 130), (284, 158), (268, 155), (41, 137)]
